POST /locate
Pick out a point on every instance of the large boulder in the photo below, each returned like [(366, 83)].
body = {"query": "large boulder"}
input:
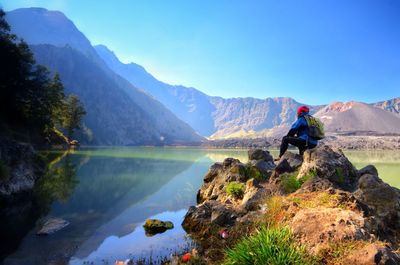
[(259, 154), (326, 163), (383, 199)]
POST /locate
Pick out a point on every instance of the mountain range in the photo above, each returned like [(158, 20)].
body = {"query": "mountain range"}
[(118, 113), (127, 105)]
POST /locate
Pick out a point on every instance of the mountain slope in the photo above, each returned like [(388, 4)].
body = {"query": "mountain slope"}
[(392, 105), (189, 104), (357, 116), (213, 116), (118, 113), (111, 114)]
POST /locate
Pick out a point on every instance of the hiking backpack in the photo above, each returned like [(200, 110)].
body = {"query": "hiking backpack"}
[(315, 127)]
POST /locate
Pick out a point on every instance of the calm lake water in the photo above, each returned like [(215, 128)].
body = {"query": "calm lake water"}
[(107, 193)]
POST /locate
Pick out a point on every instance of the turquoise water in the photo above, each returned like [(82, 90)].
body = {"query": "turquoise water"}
[(107, 193)]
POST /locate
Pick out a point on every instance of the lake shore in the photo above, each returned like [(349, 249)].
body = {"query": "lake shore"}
[(345, 142)]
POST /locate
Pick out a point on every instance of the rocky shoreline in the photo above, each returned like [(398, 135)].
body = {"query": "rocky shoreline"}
[(335, 213), (345, 142)]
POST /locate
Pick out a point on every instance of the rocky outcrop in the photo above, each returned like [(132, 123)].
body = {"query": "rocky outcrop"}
[(336, 212), (21, 167), (216, 205)]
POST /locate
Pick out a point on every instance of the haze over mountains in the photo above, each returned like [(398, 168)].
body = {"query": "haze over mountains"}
[(117, 112), (127, 105)]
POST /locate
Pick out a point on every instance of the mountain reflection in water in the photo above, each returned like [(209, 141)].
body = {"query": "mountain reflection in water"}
[(107, 193)]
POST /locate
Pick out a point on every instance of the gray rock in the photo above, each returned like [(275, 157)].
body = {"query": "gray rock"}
[(259, 154), (263, 166), (52, 225), (370, 169), (382, 198), (323, 162), (222, 216), (213, 172)]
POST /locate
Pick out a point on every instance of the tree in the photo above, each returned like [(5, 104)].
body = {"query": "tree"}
[(30, 100), (73, 114)]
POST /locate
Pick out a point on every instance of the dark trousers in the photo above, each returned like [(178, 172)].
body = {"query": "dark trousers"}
[(299, 143)]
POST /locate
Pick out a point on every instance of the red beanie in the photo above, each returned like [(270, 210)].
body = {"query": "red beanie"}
[(302, 109)]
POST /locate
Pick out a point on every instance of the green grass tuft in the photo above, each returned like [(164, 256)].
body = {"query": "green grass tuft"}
[(235, 189), (273, 246), (290, 183)]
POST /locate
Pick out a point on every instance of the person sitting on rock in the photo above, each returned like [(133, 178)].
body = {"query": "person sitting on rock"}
[(299, 133)]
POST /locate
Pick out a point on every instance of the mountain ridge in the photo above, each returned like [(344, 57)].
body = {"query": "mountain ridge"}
[(210, 116), (148, 119)]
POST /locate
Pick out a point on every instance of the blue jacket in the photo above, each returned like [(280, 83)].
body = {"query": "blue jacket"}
[(300, 127)]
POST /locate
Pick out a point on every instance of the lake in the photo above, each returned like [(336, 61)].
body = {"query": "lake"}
[(107, 193)]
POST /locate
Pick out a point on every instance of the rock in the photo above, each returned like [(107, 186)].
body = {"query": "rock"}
[(214, 170), (289, 162), (323, 162), (283, 166), (370, 169), (316, 184), (382, 198), (52, 225), (155, 226), (218, 177), (373, 254), (222, 216), (265, 168), (200, 217), (253, 197), (229, 162), (319, 226), (259, 154), (23, 166)]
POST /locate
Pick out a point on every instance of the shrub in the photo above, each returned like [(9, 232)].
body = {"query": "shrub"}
[(4, 171), (290, 183), (274, 246), (235, 189)]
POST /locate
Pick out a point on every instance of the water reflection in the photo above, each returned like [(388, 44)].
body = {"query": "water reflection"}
[(108, 182), (106, 194)]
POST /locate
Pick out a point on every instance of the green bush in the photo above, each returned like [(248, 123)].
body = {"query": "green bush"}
[(290, 183), (4, 171), (273, 246), (235, 189)]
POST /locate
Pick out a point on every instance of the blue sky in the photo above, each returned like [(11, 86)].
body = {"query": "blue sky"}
[(314, 51)]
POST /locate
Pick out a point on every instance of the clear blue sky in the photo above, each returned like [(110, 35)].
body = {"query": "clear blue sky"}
[(314, 51)]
